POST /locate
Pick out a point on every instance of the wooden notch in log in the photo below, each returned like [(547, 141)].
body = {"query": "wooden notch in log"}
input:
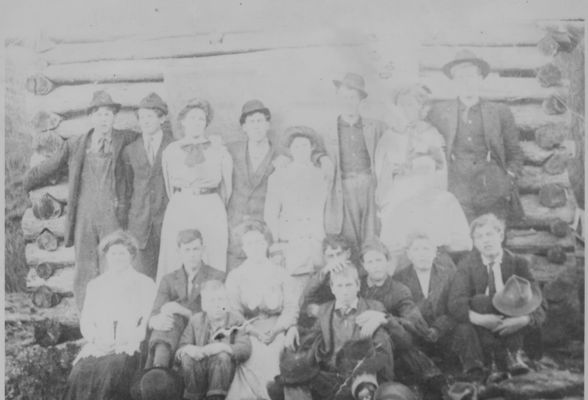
[(536, 242), (532, 178), (50, 332), (58, 191), (553, 195), (32, 227), (537, 212)]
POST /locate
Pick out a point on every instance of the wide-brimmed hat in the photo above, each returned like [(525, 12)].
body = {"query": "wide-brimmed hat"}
[(466, 56), (101, 98), (518, 297), (294, 131), (253, 106), (394, 391), (353, 81), (153, 101), (160, 384)]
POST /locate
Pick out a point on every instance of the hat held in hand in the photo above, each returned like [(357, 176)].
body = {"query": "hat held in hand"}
[(517, 298)]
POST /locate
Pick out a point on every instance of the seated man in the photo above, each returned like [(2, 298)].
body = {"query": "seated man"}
[(428, 281), (212, 345), (484, 336), (350, 364), (178, 297)]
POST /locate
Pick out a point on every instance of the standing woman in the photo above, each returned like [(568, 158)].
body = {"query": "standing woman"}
[(198, 178), (113, 321), (295, 205), (263, 293)]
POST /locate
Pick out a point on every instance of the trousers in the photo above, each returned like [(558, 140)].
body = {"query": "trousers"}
[(207, 377), (359, 209)]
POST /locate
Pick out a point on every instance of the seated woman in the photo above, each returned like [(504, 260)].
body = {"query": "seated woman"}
[(113, 321), (295, 205), (263, 293), (412, 180)]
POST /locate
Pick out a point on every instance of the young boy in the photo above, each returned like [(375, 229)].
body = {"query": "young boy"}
[(212, 345)]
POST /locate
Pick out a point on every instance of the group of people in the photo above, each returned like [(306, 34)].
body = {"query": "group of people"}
[(320, 265)]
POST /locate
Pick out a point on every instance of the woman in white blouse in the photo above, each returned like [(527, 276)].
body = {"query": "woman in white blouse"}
[(113, 321), (262, 292), (295, 205), (198, 178)]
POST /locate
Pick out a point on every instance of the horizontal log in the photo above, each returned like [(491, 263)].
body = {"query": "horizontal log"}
[(19, 309), (44, 297), (545, 271), (555, 226), (534, 210), (47, 240), (533, 154), (532, 178), (507, 58), (59, 191), (536, 242), (63, 255), (32, 226), (530, 117), (74, 99), (60, 282), (50, 332), (494, 87), (125, 119)]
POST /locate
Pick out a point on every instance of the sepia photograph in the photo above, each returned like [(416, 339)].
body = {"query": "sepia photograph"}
[(294, 200)]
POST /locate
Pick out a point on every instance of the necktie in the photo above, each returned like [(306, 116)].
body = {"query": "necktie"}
[(102, 145), (491, 280), (150, 155)]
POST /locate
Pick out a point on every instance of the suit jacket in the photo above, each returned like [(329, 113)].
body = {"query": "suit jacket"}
[(324, 351), (72, 154), (372, 131), (500, 131), (198, 332), (433, 307), (174, 287), (471, 279), (146, 195), (249, 187)]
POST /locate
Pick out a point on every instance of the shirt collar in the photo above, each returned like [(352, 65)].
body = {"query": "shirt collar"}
[(97, 137), (347, 309), (357, 124), (371, 283), (193, 275), (155, 138), (488, 262), (463, 106)]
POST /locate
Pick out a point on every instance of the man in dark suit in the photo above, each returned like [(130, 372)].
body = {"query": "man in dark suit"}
[(482, 142), (96, 185), (178, 298), (484, 335), (146, 193)]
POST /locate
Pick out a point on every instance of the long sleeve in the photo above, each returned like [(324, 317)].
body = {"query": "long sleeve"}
[(38, 175), (316, 291), (227, 175), (510, 135), (138, 326), (163, 296), (241, 347), (234, 291), (88, 314), (271, 212), (125, 195), (522, 269), (188, 337), (165, 170), (289, 315), (460, 292)]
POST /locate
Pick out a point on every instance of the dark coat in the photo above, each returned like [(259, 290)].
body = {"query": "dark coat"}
[(249, 187), (381, 362), (433, 307), (146, 195), (198, 333), (72, 154), (500, 130), (372, 130), (471, 279), (174, 287)]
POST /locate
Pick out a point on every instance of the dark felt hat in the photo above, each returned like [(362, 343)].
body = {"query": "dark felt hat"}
[(297, 367), (294, 131), (160, 384), (101, 98), (253, 106), (154, 101), (394, 391), (518, 297), (353, 81), (466, 56)]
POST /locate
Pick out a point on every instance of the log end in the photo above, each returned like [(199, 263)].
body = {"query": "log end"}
[(549, 75), (557, 163), (550, 136), (44, 297), (552, 195), (553, 105), (39, 85), (556, 255), (46, 121), (47, 241), (45, 270)]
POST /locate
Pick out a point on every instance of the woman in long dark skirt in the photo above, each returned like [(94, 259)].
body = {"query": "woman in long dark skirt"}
[(113, 321)]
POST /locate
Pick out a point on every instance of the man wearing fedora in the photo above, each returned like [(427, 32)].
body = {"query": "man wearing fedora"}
[(351, 145), (482, 143), (146, 193), (495, 300), (254, 160), (96, 185)]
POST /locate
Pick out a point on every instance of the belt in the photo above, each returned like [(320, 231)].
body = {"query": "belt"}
[(360, 174), (196, 191)]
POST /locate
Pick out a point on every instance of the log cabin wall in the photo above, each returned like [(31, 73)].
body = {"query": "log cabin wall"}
[(293, 75)]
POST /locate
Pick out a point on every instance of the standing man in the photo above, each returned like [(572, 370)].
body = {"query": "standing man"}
[(351, 207), (482, 143), (146, 192), (96, 183), (254, 160)]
